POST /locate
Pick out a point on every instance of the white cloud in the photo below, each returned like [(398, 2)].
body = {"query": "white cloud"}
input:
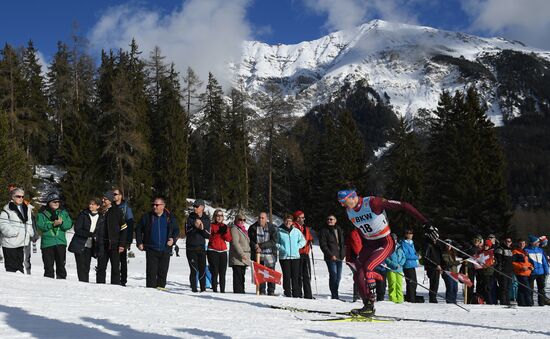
[(203, 34), (526, 20), (344, 14)]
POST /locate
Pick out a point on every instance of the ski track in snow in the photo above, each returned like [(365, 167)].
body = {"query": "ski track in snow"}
[(37, 307)]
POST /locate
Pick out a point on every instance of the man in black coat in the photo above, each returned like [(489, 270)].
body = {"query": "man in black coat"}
[(503, 258), (263, 237), (432, 261), (332, 242), (156, 233), (197, 230), (111, 240)]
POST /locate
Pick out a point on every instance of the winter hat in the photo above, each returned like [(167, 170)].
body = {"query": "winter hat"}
[(533, 239), (296, 214), (198, 202), (448, 241), (344, 194), (52, 196), (488, 243), (543, 241), (109, 195), (477, 238)]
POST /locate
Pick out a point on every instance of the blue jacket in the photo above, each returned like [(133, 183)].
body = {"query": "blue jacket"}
[(396, 260), (289, 243), (537, 257), (411, 257), (154, 231)]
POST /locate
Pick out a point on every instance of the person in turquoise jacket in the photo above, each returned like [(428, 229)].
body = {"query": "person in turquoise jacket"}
[(289, 243), (411, 263), (395, 264), (53, 222)]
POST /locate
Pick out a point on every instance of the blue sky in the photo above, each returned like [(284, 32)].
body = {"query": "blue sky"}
[(206, 33), (271, 21)]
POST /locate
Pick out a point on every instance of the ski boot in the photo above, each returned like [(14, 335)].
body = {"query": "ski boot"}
[(366, 311)]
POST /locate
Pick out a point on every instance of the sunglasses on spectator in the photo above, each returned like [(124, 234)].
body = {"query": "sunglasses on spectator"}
[(156, 205), (55, 202), (241, 219), (330, 219), (116, 194), (195, 206), (19, 196), (219, 215)]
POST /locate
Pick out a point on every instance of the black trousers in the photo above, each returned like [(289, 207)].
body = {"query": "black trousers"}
[(55, 254), (156, 268), (484, 287), (238, 278), (410, 281), (504, 288), (13, 259), (525, 297), (305, 275), (381, 286), (434, 276), (291, 277), (217, 262), (83, 264), (124, 267), (197, 263), (113, 256), (541, 284)]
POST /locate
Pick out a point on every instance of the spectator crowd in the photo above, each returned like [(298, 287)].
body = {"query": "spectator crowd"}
[(498, 272)]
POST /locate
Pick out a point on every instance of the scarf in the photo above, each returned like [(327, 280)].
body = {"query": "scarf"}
[(240, 225)]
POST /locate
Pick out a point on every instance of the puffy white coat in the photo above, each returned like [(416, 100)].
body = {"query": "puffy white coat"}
[(14, 232)]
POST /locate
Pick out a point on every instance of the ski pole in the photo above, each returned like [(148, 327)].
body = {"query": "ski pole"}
[(498, 271), (424, 287), (314, 274)]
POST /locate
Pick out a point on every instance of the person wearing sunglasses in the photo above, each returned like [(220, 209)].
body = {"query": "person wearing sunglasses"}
[(16, 230), (217, 250), (129, 219), (332, 242), (111, 240), (368, 214), (197, 230), (503, 258), (239, 252), (53, 221), (156, 233), (263, 241)]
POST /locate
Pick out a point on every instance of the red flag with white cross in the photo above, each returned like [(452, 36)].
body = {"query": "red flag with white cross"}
[(265, 274)]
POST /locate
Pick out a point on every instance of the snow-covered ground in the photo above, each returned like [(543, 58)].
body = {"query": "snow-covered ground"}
[(37, 307)]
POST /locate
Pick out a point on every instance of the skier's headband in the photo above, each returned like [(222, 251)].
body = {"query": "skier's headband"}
[(345, 194)]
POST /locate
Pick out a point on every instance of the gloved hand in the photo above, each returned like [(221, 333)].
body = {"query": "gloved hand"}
[(223, 229), (430, 231)]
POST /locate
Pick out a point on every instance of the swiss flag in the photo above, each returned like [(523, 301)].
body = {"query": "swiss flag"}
[(265, 274), (462, 278), (483, 260)]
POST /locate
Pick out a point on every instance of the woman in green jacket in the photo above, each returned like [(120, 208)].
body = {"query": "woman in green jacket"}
[(53, 222)]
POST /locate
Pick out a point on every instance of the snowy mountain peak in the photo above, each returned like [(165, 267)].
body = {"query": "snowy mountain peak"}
[(410, 63)]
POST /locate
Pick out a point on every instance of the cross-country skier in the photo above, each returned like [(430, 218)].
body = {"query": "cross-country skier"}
[(368, 215)]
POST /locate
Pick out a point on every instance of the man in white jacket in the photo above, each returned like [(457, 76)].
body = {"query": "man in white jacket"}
[(15, 230)]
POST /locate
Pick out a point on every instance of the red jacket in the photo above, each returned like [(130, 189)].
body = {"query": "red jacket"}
[(306, 231), (354, 244), (218, 237)]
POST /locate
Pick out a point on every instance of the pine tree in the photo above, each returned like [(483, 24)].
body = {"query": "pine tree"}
[(14, 168), (60, 91), (467, 191), (216, 155), (405, 170), (37, 128), (11, 88)]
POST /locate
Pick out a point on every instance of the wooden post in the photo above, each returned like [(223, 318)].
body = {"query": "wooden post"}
[(257, 285)]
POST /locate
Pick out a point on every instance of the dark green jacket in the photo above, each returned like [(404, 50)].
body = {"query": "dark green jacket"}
[(52, 236)]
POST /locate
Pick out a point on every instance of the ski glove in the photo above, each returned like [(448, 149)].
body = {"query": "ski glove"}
[(430, 231), (223, 229)]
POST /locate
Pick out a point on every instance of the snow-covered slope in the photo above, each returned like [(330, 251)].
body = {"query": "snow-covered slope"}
[(38, 307), (394, 58)]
